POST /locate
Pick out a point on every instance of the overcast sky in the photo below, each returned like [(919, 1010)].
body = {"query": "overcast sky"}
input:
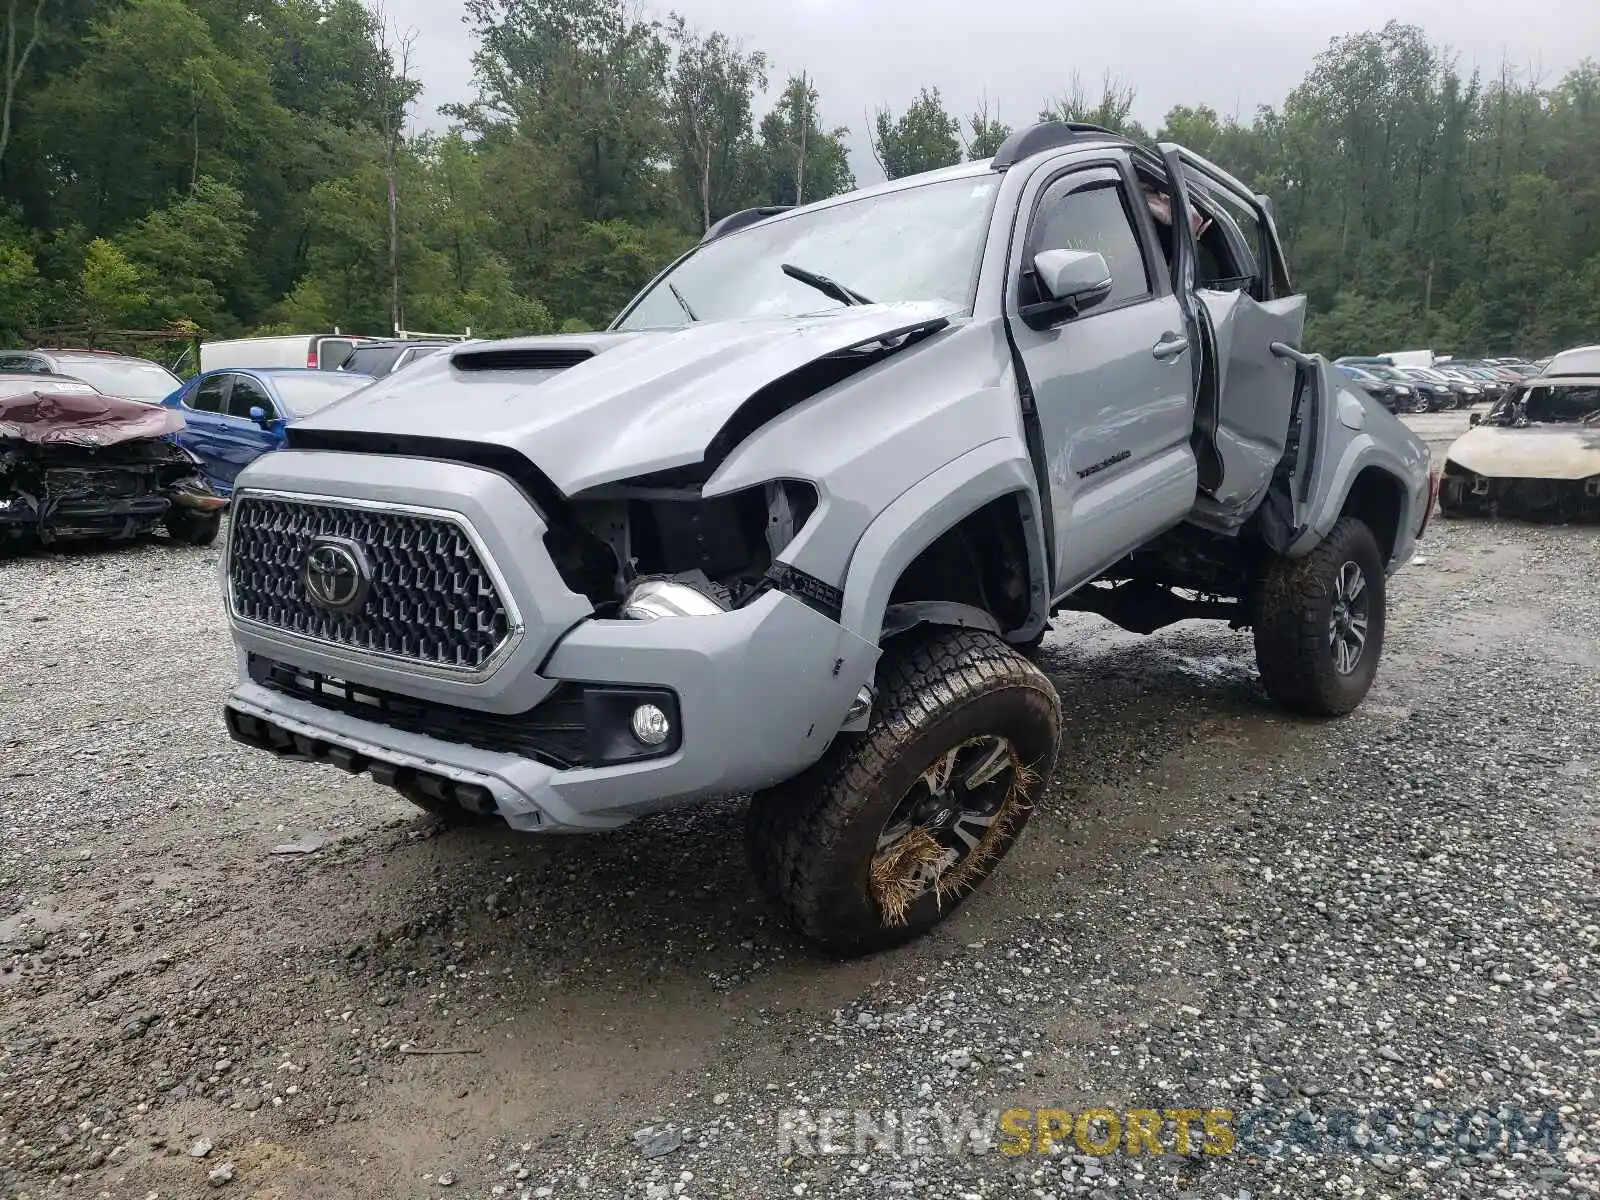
[(1230, 54)]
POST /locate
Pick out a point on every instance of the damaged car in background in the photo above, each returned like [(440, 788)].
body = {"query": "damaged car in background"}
[(75, 463), (1536, 454)]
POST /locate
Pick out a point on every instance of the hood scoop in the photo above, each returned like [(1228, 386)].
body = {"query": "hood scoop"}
[(521, 358)]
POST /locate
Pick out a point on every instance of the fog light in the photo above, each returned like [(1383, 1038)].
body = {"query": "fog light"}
[(650, 725)]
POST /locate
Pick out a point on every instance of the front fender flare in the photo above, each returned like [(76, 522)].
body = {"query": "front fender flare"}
[(912, 523)]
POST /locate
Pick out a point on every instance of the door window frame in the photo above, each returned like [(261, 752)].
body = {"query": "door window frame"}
[(1275, 282), (326, 340), (226, 383), (271, 404), (1117, 170)]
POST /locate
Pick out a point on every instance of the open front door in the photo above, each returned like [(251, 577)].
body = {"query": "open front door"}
[(1242, 303)]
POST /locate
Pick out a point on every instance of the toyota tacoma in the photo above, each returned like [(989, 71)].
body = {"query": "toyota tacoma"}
[(794, 524)]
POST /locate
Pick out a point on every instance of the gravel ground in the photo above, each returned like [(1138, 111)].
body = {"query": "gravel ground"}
[(1375, 941)]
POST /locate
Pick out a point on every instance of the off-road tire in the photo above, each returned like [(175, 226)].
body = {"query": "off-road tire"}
[(812, 841), (1294, 611), (192, 528)]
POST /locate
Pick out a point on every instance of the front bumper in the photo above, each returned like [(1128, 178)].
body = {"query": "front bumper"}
[(761, 691), (1468, 493), (119, 518)]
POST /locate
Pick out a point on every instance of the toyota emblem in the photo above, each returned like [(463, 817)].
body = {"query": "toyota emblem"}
[(336, 574)]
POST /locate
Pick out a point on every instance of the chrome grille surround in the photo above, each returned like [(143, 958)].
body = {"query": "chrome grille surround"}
[(438, 604)]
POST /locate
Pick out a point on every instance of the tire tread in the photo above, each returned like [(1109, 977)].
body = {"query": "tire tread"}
[(1291, 630), (795, 828)]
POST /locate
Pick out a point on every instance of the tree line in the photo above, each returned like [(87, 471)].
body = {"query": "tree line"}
[(245, 165)]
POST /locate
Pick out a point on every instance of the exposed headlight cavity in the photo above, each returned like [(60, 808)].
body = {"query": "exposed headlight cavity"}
[(652, 599), (660, 530)]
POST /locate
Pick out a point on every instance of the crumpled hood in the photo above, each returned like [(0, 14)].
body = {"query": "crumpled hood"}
[(643, 402), (1529, 452), (83, 419)]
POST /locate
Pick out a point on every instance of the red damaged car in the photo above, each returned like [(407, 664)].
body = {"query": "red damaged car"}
[(75, 463)]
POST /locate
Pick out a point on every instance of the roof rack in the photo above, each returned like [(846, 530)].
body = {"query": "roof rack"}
[(411, 335), (1047, 135), (734, 222)]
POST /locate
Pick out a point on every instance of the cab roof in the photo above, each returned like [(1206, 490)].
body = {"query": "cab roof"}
[(1018, 147)]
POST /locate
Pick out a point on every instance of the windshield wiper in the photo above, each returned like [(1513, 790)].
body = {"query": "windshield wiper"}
[(682, 303), (828, 287)]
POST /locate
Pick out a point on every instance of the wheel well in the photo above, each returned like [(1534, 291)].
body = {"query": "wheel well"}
[(1377, 499), (981, 561)]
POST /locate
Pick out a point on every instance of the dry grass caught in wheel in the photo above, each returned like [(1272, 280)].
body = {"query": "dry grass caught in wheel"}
[(896, 872)]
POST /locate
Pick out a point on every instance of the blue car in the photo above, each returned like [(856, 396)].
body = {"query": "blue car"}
[(233, 416)]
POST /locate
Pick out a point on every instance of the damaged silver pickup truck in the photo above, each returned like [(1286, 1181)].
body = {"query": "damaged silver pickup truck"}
[(794, 524), (75, 463)]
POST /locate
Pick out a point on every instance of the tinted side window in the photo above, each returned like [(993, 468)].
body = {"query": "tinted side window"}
[(331, 353), (248, 394), (372, 360), (1073, 215), (415, 353), (209, 396)]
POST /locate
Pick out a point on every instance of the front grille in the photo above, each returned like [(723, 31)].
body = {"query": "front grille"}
[(431, 599)]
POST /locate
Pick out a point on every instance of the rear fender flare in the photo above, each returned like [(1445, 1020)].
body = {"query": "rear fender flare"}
[(1360, 452), (922, 513)]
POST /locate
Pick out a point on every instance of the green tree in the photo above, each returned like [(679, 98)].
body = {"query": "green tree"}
[(186, 254), (585, 82), (923, 138), (803, 160), (605, 265), (710, 90), (110, 286), (20, 292), (987, 133), (155, 105), (1112, 108), (21, 35)]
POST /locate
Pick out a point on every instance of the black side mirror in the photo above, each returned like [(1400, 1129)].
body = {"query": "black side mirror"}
[(1475, 419)]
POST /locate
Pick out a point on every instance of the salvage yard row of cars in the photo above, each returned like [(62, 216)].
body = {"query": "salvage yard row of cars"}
[(95, 444), (1447, 384)]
